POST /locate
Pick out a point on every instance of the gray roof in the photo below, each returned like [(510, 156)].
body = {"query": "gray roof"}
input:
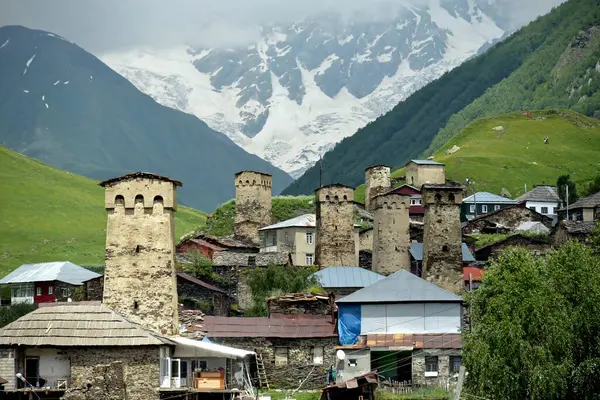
[(416, 251), (73, 324), (487, 197), (541, 193), (592, 201), (346, 277), (304, 221), (63, 271), (426, 162), (401, 287)]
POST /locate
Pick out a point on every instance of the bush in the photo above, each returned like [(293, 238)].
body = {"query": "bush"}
[(9, 314)]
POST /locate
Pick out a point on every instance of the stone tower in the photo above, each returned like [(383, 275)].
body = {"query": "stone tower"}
[(336, 240), (140, 278), (377, 181), (442, 238), (252, 204), (391, 235)]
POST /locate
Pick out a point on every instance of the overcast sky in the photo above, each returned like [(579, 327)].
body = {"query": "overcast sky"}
[(105, 25)]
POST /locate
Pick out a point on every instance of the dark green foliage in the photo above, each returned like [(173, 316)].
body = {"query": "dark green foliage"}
[(276, 280), (9, 314), (200, 267), (535, 327), (592, 187), (562, 183), (521, 72)]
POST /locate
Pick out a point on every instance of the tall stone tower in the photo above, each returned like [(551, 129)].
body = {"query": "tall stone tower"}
[(442, 238), (252, 204), (391, 235), (377, 181), (140, 278), (336, 240)]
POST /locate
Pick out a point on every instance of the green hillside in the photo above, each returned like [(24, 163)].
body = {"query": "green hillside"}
[(516, 155), (47, 214), (550, 63)]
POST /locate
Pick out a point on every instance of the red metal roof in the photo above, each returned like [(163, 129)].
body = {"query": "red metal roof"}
[(476, 273), (417, 341), (292, 326), (419, 210), (197, 281), (405, 189), (203, 243)]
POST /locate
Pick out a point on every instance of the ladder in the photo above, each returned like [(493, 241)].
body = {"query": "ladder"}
[(262, 374)]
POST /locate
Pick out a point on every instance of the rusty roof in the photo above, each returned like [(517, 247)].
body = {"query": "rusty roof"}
[(292, 326), (204, 243), (298, 297), (228, 242), (198, 282), (417, 341), (136, 175)]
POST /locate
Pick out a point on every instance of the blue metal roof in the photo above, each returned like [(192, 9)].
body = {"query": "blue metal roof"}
[(63, 271), (416, 251), (401, 286), (346, 277), (487, 197), (426, 162)]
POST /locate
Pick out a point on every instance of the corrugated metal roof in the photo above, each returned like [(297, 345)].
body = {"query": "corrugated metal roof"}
[(63, 271), (424, 341), (400, 287), (487, 197), (587, 202), (416, 251), (304, 221), (77, 325), (426, 162), (293, 326), (533, 226), (346, 277), (198, 282), (541, 193)]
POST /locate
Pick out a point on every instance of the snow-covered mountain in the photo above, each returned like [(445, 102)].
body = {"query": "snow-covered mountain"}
[(301, 88)]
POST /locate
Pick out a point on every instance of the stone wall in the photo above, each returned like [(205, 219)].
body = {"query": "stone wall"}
[(252, 204), (94, 289), (391, 236), (7, 367), (444, 375), (365, 259), (442, 239), (139, 279), (312, 307), (335, 242), (114, 373), (300, 359), (244, 259), (65, 291), (377, 181), (238, 288), (209, 301), (419, 174), (366, 240), (510, 217)]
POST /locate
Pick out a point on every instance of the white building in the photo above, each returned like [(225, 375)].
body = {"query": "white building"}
[(543, 199)]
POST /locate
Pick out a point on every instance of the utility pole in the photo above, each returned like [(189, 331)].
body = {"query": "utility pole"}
[(567, 188), (459, 384), (470, 183)]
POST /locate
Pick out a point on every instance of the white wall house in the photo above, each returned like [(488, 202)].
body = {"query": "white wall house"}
[(542, 199)]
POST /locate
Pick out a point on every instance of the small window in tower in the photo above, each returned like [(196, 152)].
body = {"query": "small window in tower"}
[(158, 199), (252, 261), (336, 198), (247, 182), (444, 248), (135, 305), (120, 200), (327, 197), (438, 197), (451, 198), (345, 197), (137, 248)]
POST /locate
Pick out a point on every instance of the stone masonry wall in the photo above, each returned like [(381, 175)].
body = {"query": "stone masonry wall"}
[(391, 235), (240, 259), (139, 279), (300, 359), (114, 373), (335, 242), (94, 289), (444, 376), (377, 181), (7, 367), (252, 204), (238, 287), (209, 301), (442, 239)]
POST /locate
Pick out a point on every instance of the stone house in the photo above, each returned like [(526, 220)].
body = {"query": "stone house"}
[(403, 327), (481, 203), (47, 282), (543, 199), (494, 250), (504, 220), (577, 230), (211, 246), (197, 244), (72, 349), (342, 281), (420, 172), (416, 257), (586, 209)]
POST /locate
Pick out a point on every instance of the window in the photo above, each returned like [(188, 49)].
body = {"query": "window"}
[(274, 240), (544, 210), (415, 202), (38, 291), (318, 355), (309, 237), (353, 362), (252, 261), (431, 366), (455, 363), (65, 292), (287, 238), (472, 208), (50, 289), (484, 208), (496, 207), (310, 259), (554, 210), (281, 356), (532, 208)]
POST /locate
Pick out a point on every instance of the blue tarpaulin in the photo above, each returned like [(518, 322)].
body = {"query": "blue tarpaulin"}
[(348, 323)]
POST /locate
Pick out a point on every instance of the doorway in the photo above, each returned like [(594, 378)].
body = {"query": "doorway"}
[(32, 370), (393, 365)]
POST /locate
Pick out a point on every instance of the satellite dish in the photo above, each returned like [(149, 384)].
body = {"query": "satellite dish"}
[(340, 354)]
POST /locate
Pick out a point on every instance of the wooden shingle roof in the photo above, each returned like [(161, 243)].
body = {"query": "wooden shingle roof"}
[(73, 324)]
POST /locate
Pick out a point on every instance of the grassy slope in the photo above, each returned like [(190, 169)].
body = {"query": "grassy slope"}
[(47, 214), (505, 160)]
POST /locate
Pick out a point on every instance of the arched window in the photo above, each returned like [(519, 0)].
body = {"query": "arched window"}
[(345, 197), (336, 198), (444, 248), (139, 199), (438, 197), (119, 200), (158, 199), (327, 197), (135, 305)]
